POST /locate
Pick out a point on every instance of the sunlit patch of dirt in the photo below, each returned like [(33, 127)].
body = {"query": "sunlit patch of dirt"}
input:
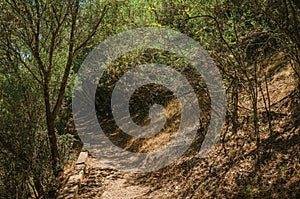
[(165, 135), (237, 167)]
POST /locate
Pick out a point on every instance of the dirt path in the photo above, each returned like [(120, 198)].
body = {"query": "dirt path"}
[(105, 183)]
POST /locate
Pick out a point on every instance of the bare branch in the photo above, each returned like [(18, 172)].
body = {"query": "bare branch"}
[(94, 30), (63, 84)]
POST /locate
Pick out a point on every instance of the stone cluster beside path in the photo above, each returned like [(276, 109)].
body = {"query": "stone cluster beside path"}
[(71, 188)]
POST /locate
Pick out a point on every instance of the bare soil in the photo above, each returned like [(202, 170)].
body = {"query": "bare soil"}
[(236, 167)]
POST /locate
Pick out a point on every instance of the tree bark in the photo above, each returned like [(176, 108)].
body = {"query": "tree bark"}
[(51, 130), (53, 144)]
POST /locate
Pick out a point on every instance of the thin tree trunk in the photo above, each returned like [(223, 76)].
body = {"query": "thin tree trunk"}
[(53, 143), (51, 130), (235, 100), (38, 188)]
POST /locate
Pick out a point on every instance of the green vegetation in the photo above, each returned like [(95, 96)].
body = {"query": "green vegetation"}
[(43, 43)]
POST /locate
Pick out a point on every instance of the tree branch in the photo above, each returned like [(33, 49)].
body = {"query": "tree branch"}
[(63, 84), (105, 9)]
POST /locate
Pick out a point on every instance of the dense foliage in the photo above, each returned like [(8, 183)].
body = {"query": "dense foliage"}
[(43, 43)]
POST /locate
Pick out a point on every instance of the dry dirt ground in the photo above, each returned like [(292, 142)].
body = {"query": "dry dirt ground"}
[(106, 183), (235, 168)]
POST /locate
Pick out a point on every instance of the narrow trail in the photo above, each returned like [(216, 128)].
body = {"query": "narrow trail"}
[(105, 183)]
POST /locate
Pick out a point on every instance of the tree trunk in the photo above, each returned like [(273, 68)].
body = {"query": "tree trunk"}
[(53, 143), (51, 131), (235, 100)]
